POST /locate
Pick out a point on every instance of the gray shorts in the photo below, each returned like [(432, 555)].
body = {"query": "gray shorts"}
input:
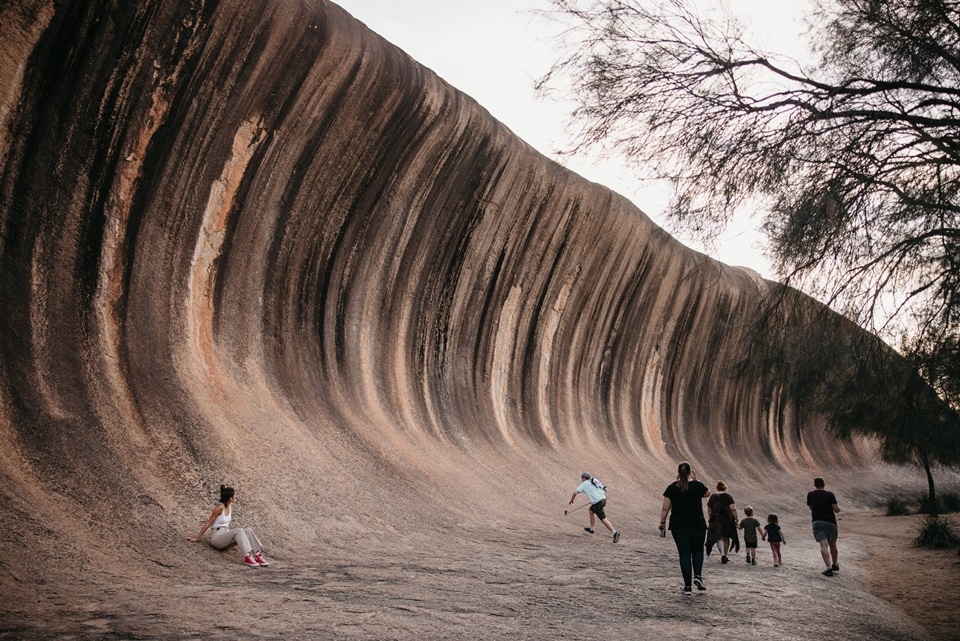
[(825, 531)]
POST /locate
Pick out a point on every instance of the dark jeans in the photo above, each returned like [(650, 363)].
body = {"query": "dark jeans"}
[(690, 547)]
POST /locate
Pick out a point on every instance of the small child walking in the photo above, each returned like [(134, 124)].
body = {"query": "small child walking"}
[(750, 527), (774, 536)]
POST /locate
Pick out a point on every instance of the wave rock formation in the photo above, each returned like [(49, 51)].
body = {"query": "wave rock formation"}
[(251, 242)]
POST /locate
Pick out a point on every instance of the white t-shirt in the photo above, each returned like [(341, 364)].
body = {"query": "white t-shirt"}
[(593, 492)]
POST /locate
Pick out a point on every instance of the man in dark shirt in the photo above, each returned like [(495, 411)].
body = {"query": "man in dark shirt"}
[(823, 507)]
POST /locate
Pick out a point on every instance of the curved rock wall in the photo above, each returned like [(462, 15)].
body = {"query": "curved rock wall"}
[(254, 242)]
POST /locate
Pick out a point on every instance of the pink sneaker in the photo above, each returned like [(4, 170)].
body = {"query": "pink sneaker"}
[(259, 559), (249, 560)]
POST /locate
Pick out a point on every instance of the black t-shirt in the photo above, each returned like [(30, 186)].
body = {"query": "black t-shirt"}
[(686, 509), (719, 505), (821, 505)]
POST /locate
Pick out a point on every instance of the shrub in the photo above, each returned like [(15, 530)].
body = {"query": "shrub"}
[(946, 502), (896, 506), (950, 502), (924, 503), (936, 532)]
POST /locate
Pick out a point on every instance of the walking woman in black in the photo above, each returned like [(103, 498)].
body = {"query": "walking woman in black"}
[(683, 501)]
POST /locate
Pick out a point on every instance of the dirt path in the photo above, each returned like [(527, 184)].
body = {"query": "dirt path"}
[(920, 583), (507, 584)]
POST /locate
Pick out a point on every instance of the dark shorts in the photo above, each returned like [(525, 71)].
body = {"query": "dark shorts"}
[(825, 531), (750, 544), (597, 508)]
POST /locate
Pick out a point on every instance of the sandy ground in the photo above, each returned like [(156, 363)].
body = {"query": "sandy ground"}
[(920, 583), (507, 583)]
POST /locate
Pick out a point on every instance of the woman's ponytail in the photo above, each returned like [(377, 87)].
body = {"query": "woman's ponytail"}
[(683, 476)]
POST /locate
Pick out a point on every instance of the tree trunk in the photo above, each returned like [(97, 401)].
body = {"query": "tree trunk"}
[(931, 491)]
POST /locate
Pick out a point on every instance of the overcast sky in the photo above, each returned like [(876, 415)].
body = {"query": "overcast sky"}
[(493, 50)]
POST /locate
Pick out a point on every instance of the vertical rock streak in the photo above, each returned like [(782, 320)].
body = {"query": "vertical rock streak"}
[(259, 221)]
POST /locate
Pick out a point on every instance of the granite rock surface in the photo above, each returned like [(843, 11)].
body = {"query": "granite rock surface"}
[(253, 243)]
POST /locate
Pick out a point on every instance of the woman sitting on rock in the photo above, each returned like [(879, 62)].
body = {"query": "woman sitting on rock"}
[(222, 536)]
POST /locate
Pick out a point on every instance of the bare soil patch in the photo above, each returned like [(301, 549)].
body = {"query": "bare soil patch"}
[(919, 582)]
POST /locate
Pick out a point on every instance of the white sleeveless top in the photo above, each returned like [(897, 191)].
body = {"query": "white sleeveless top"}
[(223, 520)]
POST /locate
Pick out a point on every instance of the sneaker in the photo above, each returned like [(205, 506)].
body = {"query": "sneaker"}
[(588, 529), (259, 559), (249, 560), (835, 568), (828, 572), (776, 565), (616, 536), (724, 559), (687, 591), (697, 581), (754, 562), (748, 560)]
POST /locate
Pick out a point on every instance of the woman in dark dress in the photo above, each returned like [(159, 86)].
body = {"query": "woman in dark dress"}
[(683, 501), (722, 515)]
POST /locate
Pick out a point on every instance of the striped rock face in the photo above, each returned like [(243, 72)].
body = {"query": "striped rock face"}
[(251, 242)]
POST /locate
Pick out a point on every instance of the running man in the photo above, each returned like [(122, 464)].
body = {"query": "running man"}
[(598, 499)]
